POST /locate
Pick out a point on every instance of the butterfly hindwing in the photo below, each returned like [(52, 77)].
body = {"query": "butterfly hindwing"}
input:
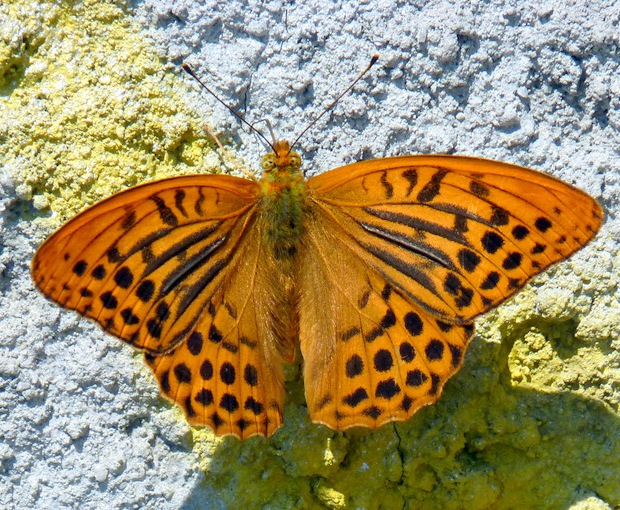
[(164, 266), (371, 355), (228, 373)]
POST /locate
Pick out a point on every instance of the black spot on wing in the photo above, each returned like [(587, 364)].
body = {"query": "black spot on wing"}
[(383, 360), (432, 188), (387, 186), (410, 175), (500, 216), (195, 343), (253, 405), (108, 300), (491, 242), (435, 380), (354, 366), (387, 389), (80, 267), (356, 398), (520, 232), (206, 370), (373, 412), (543, 224), (434, 350), (250, 375), (363, 300), (145, 290), (129, 317), (182, 373), (491, 281), (413, 323), (415, 378), (350, 333), (179, 196), (386, 292), (229, 402), (227, 373), (460, 223), (478, 189), (123, 277), (99, 272), (407, 352), (204, 397), (468, 260), (165, 213), (512, 261), (114, 256), (129, 220), (199, 202)]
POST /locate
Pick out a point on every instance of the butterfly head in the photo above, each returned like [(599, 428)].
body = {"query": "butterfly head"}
[(282, 159)]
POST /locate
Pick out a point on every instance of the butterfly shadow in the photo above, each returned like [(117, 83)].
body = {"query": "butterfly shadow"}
[(486, 435)]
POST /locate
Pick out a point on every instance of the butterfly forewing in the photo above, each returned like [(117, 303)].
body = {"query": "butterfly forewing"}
[(457, 235), (164, 266)]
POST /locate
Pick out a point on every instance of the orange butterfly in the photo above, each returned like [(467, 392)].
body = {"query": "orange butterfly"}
[(377, 269)]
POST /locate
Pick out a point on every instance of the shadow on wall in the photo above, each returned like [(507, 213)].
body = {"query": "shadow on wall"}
[(485, 444)]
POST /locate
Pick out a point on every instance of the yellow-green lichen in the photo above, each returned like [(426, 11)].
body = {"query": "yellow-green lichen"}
[(328, 497), (88, 106)]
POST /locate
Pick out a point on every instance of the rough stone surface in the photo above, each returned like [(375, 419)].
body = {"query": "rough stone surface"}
[(92, 100)]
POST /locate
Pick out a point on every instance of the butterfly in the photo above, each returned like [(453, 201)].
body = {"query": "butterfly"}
[(376, 270)]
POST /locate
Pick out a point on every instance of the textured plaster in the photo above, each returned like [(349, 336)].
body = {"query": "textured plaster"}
[(92, 101)]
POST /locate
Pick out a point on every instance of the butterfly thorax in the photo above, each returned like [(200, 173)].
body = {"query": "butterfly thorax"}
[(283, 204)]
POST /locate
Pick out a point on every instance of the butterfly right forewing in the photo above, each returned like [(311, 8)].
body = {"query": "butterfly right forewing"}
[(141, 262)]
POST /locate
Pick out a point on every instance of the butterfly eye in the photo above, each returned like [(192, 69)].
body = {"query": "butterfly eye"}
[(269, 162), (295, 160)]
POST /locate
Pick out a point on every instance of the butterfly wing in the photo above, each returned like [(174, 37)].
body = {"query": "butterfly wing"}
[(172, 268), (408, 251), (371, 354)]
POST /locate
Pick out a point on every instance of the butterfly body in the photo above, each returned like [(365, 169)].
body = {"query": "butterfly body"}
[(284, 200), (376, 270)]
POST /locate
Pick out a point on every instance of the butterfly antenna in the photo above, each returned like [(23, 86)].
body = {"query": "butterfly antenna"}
[(373, 61), (269, 128), (190, 71)]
